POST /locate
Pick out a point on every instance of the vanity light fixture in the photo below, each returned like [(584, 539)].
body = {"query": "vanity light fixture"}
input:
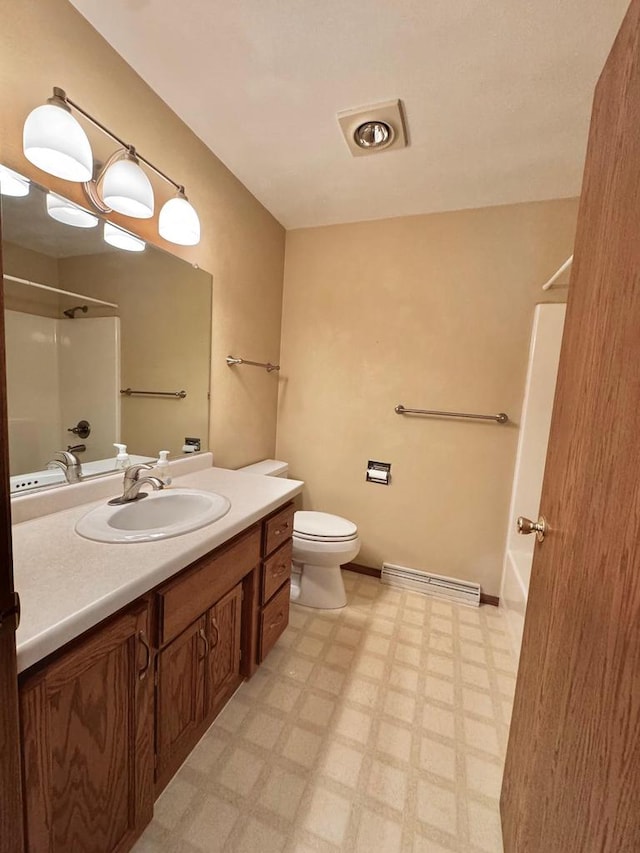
[(121, 239), (63, 210), (55, 142), (13, 184)]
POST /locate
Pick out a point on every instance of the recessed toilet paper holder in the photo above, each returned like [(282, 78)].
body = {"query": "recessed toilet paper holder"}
[(378, 472)]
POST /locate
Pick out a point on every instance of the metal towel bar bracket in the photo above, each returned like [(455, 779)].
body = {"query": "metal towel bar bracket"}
[(267, 366), (500, 418), (129, 392)]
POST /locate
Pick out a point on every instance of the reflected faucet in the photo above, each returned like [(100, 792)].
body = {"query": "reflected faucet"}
[(133, 482), (69, 464)]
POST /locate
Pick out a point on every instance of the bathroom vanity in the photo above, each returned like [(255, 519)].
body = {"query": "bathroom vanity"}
[(109, 714)]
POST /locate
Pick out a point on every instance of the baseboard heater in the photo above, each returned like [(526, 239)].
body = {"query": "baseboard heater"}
[(440, 586)]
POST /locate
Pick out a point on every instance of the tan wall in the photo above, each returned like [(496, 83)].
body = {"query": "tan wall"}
[(44, 43), (33, 266), (432, 312)]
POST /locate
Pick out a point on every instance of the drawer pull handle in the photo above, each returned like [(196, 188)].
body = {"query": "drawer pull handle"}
[(214, 625), (203, 637), (282, 568), (278, 621), (280, 530), (142, 673)]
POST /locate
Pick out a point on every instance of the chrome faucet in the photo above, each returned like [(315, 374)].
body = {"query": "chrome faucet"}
[(68, 463), (133, 482)]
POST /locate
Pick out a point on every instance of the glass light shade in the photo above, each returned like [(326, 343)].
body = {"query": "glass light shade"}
[(115, 236), (11, 183), (178, 222), (127, 189), (53, 141), (63, 210)]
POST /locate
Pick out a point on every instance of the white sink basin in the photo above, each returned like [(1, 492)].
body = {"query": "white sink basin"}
[(159, 516)]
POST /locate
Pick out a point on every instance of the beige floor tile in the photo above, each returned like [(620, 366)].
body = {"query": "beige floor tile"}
[(402, 706), (283, 695), (437, 758), (282, 792), (353, 724), (438, 688), (302, 746), (376, 644), (388, 785), (343, 764), (341, 656), (349, 737), (395, 741), (211, 826), (484, 828), (369, 666), (483, 776), (317, 709), (362, 692), (328, 815), (377, 833), (258, 836), (404, 677), (481, 736), (437, 807), (264, 730), (174, 801), (241, 771)]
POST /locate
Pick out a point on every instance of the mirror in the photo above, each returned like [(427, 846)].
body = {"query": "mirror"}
[(86, 321)]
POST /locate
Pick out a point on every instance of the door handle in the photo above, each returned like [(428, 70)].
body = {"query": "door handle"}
[(539, 527)]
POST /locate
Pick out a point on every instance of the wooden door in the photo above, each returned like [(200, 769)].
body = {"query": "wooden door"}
[(87, 733), (179, 698), (11, 833), (572, 776), (224, 658)]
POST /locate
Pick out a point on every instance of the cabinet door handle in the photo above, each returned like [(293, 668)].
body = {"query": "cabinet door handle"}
[(278, 620), (203, 637), (279, 530), (142, 673), (214, 625), (282, 568)]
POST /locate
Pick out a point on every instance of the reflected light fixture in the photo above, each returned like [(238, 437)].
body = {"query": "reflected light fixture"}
[(13, 184), (121, 239), (55, 142), (63, 210)]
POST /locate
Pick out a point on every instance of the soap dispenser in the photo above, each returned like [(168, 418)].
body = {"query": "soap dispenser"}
[(162, 467), (122, 457)]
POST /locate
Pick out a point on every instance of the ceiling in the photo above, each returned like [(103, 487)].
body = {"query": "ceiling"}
[(497, 94)]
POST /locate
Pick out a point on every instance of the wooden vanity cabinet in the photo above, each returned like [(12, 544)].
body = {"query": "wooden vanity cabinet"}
[(87, 741), (199, 640), (275, 584)]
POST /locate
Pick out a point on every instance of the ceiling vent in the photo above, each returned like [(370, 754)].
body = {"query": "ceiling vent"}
[(379, 127)]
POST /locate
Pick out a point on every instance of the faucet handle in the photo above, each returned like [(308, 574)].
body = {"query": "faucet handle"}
[(66, 456), (133, 471)]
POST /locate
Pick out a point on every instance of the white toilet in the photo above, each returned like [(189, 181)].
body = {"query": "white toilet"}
[(321, 544)]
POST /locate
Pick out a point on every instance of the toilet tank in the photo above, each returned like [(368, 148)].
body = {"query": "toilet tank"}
[(267, 467)]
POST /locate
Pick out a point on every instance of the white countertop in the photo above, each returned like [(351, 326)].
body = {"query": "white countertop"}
[(68, 584)]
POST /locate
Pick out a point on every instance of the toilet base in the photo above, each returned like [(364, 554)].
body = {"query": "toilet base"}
[(321, 587)]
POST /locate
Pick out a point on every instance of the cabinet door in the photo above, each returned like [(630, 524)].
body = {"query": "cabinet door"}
[(180, 695), (224, 657), (87, 732)]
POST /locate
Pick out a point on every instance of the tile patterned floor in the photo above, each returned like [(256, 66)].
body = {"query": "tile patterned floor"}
[(380, 728)]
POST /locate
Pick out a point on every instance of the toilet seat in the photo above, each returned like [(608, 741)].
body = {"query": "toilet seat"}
[(323, 527)]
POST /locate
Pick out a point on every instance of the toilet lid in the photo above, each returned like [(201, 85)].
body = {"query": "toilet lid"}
[(321, 526)]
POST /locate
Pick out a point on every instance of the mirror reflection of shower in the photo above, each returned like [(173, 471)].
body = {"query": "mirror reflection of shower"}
[(71, 312)]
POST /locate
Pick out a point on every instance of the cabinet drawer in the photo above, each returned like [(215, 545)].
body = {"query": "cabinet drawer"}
[(276, 570), (274, 619), (184, 599), (278, 529)]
